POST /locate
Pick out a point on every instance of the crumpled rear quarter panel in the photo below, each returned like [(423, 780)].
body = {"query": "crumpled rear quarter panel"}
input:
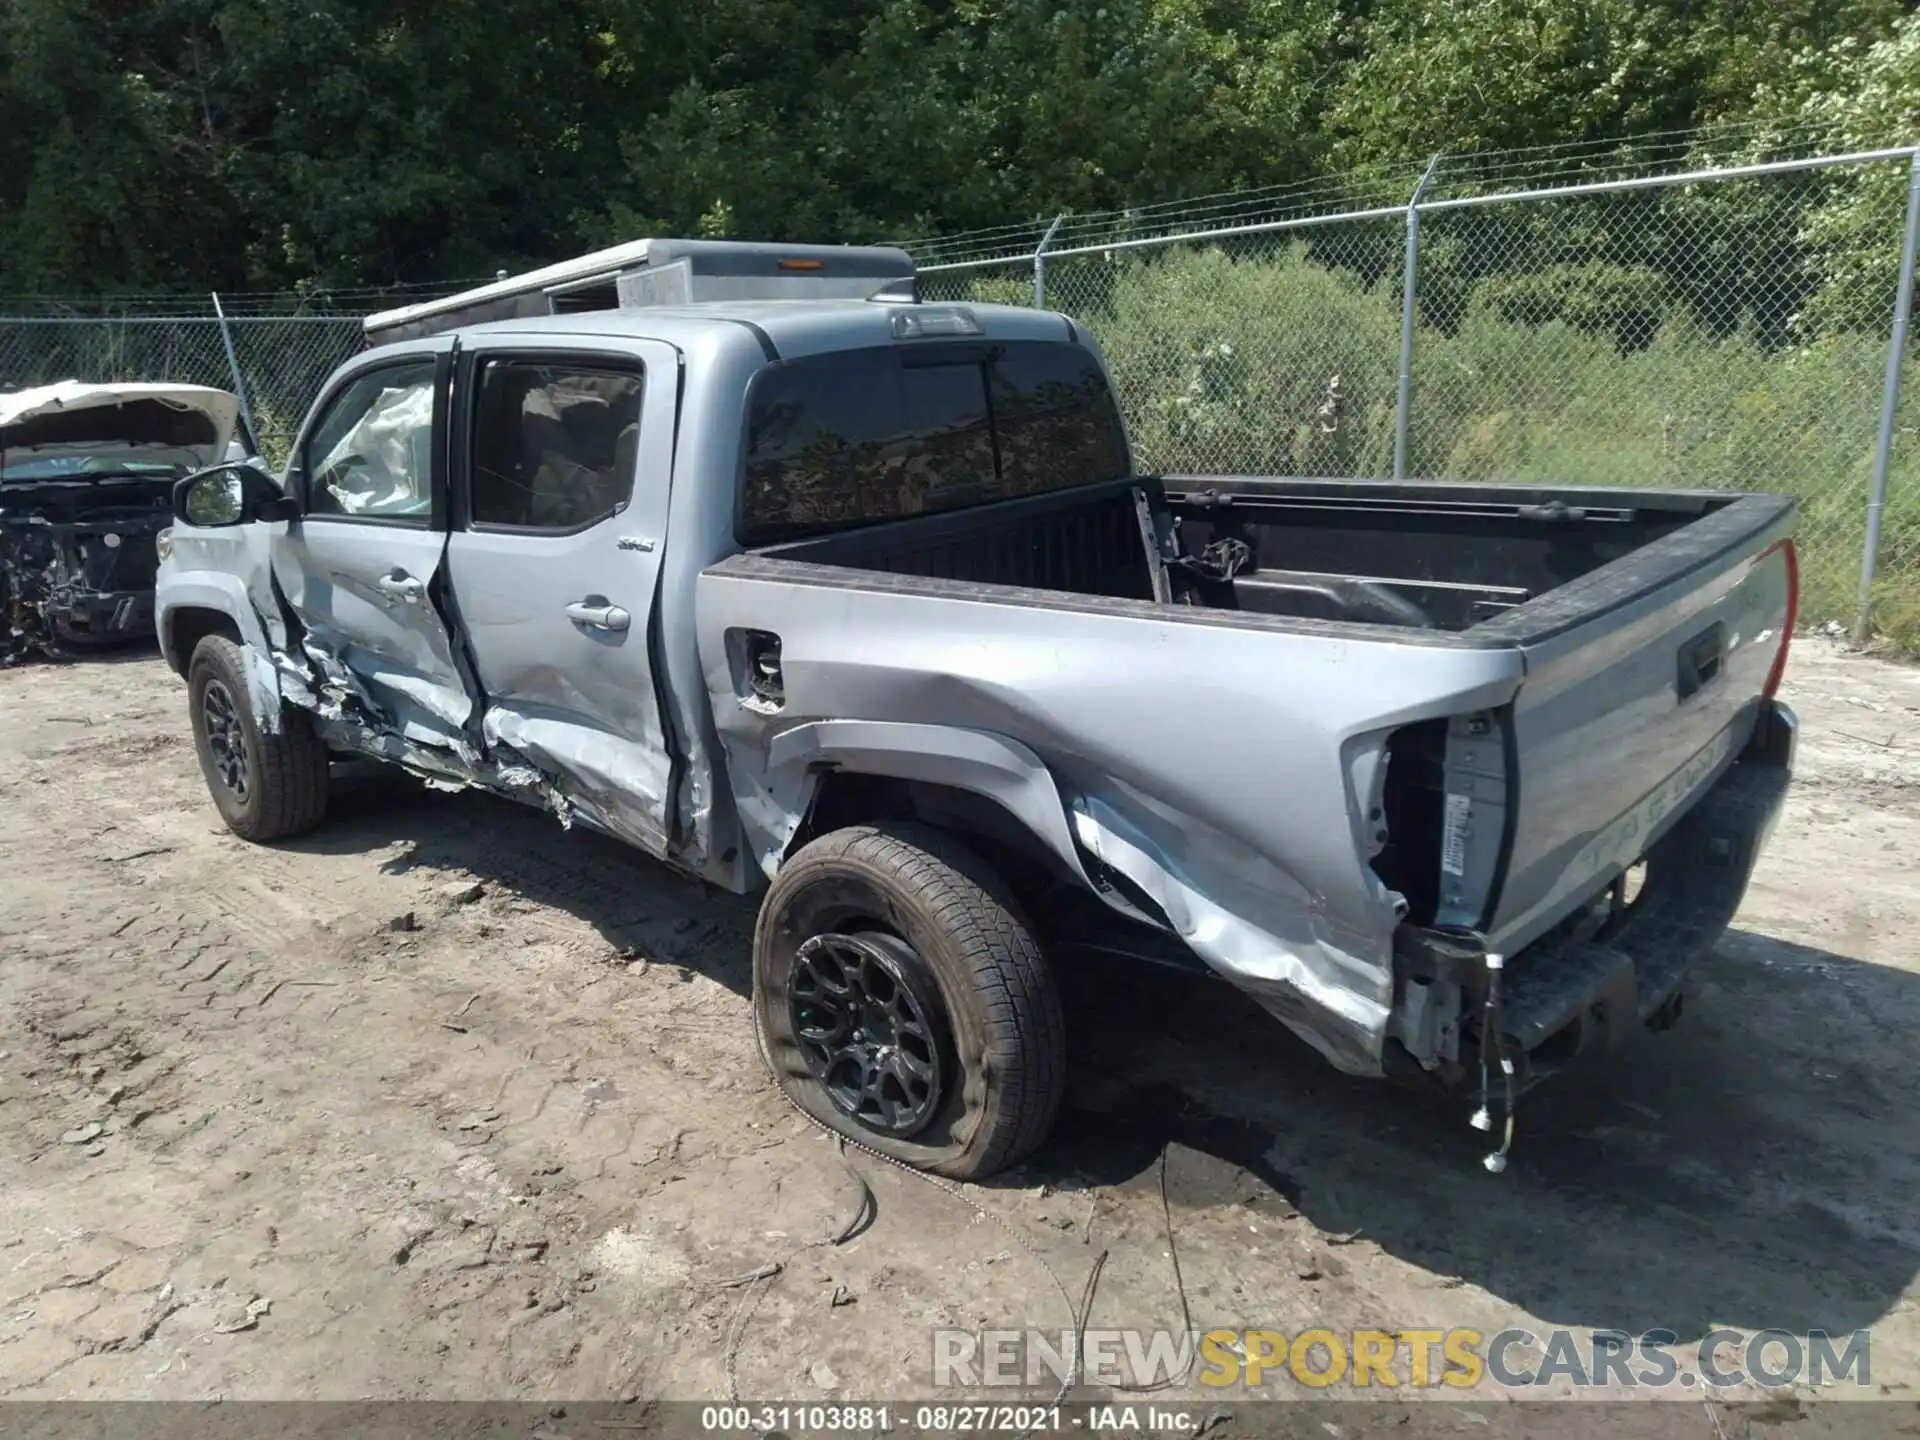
[(1213, 758)]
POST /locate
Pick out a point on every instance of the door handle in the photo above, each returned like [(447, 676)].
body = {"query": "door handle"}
[(601, 616), (1701, 661), (402, 586)]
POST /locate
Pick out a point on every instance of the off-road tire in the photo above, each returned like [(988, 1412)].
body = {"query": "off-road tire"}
[(964, 930), (286, 771)]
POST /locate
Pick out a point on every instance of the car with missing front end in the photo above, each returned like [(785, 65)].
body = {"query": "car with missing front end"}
[(750, 557), (86, 484)]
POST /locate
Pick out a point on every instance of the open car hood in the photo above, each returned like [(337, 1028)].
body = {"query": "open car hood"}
[(187, 425)]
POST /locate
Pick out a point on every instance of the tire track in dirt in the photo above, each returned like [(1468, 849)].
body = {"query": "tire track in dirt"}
[(514, 1150)]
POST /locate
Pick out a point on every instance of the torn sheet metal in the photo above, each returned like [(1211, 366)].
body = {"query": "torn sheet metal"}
[(416, 712), (263, 689), (612, 784), (347, 714), (351, 719), (1337, 1000)]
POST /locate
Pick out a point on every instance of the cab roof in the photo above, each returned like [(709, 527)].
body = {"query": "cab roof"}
[(789, 327)]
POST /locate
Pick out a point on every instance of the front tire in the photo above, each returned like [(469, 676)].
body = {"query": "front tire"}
[(266, 786), (903, 1002)]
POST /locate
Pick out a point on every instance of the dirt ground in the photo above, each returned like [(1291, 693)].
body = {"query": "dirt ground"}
[(264, 1136)]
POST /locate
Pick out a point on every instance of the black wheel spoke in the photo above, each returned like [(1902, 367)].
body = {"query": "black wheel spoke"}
[(865, 1016), (909, 1074), (907, 1065), (873, 1097), (820, 1022), (226, 737)]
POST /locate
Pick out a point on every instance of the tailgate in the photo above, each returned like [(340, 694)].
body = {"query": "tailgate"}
[(1643, 681)]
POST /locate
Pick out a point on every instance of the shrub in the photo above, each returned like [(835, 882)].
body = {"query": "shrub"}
[(1268, 361)]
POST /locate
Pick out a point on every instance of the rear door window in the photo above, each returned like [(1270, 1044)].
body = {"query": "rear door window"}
[(553, 444), (858, 436)]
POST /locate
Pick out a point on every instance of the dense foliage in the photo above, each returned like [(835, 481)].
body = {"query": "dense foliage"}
[(1729, 335), (253, 143), (1223, 363)]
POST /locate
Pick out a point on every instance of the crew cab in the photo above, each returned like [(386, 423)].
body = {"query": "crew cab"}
[(861, 604)]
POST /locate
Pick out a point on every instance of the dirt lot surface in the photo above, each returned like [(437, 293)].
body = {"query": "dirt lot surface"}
[(443, 1101)]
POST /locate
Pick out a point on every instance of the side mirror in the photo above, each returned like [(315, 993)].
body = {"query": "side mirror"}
[(230, 495)]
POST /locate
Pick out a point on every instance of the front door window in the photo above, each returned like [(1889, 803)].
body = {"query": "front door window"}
[(371, 455)]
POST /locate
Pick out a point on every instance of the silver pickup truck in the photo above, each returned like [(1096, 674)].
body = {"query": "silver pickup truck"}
[(862, 604)]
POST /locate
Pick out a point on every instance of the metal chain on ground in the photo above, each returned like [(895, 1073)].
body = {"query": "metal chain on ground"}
[(758, 1286), (844, 1143), (1166, 1382)]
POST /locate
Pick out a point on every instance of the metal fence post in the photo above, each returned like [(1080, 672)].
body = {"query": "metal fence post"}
[(1040, 263), (239, 381), (1889, 404), (1409, 283)]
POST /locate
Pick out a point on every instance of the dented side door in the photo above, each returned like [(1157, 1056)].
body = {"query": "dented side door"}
[(362, 566), (561, 471)]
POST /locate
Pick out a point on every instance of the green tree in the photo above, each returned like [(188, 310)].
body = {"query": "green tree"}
[(195, 143)]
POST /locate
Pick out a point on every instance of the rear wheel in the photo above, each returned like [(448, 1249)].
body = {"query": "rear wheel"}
[(902, 1000), (267, 785)]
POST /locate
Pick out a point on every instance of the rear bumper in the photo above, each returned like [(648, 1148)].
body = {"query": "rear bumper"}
[(1592, 986)]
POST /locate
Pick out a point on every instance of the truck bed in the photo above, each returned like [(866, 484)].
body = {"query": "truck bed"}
[(1422, 556), (1552, 680)]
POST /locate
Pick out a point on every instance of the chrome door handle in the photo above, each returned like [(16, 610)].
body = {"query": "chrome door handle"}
[(402, 586), (599, 617)]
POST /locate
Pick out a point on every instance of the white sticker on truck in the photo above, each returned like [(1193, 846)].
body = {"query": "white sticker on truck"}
[(1453, 850)]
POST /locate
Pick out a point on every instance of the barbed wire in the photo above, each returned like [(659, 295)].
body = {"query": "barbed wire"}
[(1389, 184), (1376, 186), (345, 300)]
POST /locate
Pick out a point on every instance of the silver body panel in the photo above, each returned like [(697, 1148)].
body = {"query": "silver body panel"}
[(1226, 764)]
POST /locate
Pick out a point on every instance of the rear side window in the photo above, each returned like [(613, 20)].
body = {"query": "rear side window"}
[(858, 436), (553, 444)]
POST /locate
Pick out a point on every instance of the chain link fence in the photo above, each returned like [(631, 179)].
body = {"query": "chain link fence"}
[(1467, 320), (1725, 330), (282, 360)]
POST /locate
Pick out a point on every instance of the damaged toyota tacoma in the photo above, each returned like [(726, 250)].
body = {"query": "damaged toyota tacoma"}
[(86, 483), (862, 604)]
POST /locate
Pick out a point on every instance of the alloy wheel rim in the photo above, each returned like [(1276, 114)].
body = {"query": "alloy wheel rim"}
[(869, 1026), (226, 738)]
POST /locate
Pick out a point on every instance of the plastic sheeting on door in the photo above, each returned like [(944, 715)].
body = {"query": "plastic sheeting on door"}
[(381, 465)]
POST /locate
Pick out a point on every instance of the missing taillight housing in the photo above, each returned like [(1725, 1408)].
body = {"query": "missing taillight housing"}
[(1791, 557), (1412, 815)]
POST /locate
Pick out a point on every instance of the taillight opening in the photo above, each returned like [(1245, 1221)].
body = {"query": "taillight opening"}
[(1792, 558)]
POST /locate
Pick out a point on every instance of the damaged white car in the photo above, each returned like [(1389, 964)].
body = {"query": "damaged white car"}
[(86, 483), (861, 604)]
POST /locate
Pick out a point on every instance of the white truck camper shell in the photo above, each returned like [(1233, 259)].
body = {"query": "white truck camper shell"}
[(662, 272)]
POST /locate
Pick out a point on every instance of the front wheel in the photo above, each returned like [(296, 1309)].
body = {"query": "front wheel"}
[(903, 1002), (267, 784)]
